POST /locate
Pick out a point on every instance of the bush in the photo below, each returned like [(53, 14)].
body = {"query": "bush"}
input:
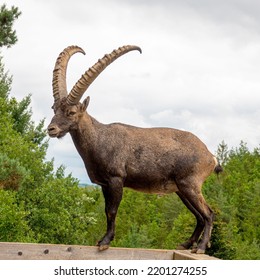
[(13, 222)]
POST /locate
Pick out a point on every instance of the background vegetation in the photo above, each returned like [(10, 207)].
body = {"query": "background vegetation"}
[(40, 204)]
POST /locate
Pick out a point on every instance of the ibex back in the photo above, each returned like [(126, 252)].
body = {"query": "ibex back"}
[(152, 160)]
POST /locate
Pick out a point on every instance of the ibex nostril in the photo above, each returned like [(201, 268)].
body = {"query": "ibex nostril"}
[(50, 128)]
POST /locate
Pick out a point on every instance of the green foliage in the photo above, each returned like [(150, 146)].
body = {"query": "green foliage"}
[(5, 82), (138, 214), (7, 17), (235, 196), (20, 139), (12, 174), (13, 224), (182, 228), (59, 212)]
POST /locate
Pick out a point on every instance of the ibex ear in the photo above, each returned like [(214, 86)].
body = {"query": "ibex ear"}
[(85, 104)]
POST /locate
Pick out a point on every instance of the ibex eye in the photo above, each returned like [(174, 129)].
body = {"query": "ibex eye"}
[(71, 113)]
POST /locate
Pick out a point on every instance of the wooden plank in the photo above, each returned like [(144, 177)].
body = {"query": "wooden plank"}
[(28, 251), (187, 255)]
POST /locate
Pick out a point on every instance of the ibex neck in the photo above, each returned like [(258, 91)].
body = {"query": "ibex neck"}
[(85, 135), (85, 139)]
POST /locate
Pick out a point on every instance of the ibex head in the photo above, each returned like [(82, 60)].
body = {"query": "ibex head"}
[(67, 108)]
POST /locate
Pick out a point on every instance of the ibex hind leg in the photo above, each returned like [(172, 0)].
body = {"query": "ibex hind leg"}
[(193, 240), (192, 197)]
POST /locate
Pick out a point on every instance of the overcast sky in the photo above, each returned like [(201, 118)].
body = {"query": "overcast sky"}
[(199, 70)]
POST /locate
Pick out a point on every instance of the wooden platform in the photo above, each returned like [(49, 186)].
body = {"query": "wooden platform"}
[(26, 251)]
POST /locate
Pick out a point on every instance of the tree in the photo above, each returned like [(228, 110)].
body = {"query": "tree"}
[(222, 153), (235, 196), (7, 18)]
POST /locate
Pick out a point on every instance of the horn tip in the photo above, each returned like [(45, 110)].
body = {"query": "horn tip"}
[(79, 49), (138, 49)]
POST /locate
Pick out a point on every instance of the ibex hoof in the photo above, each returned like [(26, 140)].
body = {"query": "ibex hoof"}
[(103, 247), (198, 251)]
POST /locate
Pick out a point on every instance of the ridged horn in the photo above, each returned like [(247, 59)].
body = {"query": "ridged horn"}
[(59, 84), (91, 74)]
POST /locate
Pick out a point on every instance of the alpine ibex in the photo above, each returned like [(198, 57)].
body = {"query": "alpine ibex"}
[(152, 160)]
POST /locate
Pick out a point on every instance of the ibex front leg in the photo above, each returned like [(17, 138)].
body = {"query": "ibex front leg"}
[(113, 195)]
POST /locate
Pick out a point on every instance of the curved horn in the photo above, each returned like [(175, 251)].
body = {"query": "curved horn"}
[(91, 74), (59, 85)]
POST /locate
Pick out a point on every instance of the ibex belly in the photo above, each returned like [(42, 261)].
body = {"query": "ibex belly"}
[(165, 188)]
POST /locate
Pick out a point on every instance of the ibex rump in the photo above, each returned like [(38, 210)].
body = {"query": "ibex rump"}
[(152, 160)]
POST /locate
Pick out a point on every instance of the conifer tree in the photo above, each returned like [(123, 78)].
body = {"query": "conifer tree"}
[(7, 18)]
